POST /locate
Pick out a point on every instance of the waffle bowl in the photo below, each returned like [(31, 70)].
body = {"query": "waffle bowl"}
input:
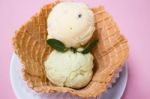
[(30, 45)]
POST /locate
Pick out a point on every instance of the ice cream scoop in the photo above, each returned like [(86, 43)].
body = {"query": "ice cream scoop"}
[(69, 69), (72, 23)]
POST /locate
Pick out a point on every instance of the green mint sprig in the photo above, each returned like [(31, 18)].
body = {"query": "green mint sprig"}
[(59, 46), (90, 46)]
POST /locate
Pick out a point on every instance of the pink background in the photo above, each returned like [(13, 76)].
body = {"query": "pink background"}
[(132, 16)]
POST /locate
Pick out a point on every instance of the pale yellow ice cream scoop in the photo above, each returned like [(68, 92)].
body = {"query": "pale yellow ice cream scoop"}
[(72, 23), (69, 69)]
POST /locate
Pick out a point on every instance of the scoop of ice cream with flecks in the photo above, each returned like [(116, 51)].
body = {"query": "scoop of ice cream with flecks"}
[(72, 23)]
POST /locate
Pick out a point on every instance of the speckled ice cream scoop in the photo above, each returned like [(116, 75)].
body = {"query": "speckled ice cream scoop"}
[(72, 23)]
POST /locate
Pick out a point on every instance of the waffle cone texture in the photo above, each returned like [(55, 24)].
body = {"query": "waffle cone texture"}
[(30, 45)]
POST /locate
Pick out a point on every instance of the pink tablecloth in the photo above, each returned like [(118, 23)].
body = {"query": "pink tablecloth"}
[(132, 16)]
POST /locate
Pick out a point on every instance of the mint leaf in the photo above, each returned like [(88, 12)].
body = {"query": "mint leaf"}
[(90, 46), (57, 45)]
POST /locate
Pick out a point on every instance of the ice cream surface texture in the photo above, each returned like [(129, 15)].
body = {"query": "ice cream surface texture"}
[(72, 23), (69, 69)]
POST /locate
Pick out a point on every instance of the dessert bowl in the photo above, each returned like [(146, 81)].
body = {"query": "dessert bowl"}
[(30, 44)]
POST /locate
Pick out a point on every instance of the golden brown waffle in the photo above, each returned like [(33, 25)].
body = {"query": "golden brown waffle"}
[(30, 45)]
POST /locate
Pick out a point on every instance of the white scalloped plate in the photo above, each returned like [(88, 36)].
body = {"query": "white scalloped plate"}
[(23, 92)]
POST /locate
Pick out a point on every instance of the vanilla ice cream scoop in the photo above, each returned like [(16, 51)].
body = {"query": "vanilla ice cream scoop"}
[(69, 69), (72, 23)]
